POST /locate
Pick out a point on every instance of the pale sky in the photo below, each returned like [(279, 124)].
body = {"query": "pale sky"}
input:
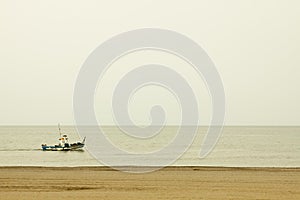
[(254, 44)]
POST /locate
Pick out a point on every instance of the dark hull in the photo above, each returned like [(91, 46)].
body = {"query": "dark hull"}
[(71, 147)]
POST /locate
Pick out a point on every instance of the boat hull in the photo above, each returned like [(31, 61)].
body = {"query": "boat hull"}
[(60, 148)]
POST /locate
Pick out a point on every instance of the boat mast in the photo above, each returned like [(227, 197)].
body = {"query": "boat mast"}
[(59, 130)]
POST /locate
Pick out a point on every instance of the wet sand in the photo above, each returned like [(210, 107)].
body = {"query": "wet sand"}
[(167, 183)]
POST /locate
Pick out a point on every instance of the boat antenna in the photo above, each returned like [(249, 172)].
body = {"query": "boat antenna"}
[(59, 130)]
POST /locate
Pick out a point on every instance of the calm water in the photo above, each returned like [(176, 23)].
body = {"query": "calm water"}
[(238, 146)]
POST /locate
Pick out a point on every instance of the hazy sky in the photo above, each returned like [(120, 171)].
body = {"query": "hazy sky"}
[(254, 44)]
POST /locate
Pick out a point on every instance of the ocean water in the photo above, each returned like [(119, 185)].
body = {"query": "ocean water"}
[(237, 146)]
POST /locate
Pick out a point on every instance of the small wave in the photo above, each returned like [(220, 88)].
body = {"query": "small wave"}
[(6, 150), (20, 149)]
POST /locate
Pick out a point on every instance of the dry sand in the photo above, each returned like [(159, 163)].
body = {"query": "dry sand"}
[(167, 183)]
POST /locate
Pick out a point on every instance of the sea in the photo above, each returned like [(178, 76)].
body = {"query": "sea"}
[(238, 146)]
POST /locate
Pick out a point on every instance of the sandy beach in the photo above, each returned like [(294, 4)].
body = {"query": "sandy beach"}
[(167, 183)]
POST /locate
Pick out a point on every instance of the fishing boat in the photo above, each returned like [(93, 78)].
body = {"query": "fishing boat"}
[(64, 144)]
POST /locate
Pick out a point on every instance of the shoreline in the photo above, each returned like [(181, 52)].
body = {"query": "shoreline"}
[(183, 167)]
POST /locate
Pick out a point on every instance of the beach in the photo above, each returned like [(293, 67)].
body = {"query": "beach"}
[(167, 183)]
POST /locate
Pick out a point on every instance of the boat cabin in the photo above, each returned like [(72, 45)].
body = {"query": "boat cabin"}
[(64, 141)]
